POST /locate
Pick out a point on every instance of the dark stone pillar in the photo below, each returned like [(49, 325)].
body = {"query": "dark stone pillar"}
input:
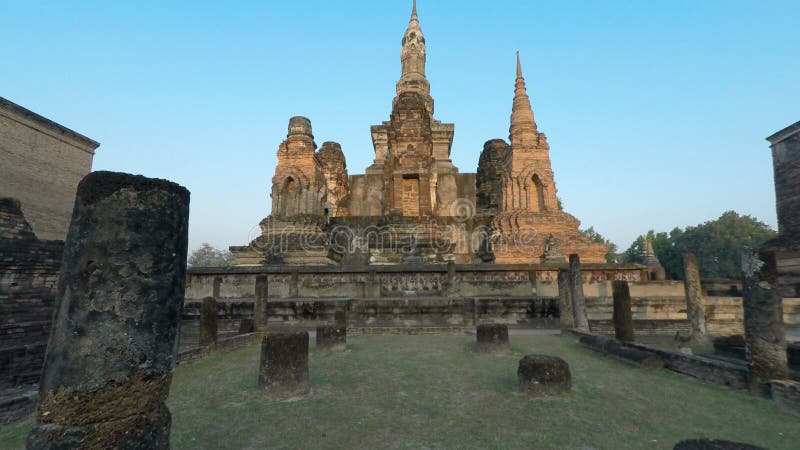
[(542, 375), (246, 326), (331, 339), (260, 307), (623, 318), (765, 342), (284, 364), (492, 338), (115, 332), (294, 288), (567, 318), (216, 286), (340, 317), (208, 323), (694, 298), (576, 292)]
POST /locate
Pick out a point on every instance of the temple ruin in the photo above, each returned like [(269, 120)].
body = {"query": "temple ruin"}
[(413, 205)]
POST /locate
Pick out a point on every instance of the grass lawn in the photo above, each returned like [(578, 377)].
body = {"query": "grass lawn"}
[(436, 392)]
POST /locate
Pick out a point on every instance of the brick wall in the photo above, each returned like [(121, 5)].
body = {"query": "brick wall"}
[(41, 164), (28, 277)]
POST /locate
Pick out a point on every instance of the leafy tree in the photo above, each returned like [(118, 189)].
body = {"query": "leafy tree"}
[(717, 244), (664, 248), (591, 233), (208, 256)]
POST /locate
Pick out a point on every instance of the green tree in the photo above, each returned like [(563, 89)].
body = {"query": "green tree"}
[(663, 247), (208, 256), (591, 233), (717, 244)]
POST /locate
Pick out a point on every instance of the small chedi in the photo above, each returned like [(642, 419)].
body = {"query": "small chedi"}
[(413, 205)]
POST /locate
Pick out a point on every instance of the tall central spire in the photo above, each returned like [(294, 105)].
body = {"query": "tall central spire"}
[(412, 59), (522, 122)]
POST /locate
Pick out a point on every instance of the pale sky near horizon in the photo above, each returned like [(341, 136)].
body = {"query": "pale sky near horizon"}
[(656, 111)]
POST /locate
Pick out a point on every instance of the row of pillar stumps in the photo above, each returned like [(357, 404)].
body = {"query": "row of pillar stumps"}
[(114, 339), (765, 339)]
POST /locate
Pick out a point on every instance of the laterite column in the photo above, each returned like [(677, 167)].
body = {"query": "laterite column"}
[(115, 331)]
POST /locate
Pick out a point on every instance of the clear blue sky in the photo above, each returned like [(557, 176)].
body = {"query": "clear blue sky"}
[(656, 111)]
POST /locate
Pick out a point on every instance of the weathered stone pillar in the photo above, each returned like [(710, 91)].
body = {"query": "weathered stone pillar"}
[(765, 342), (566, 316), (331, 338), (215, 288), (492, 338), (115, 332), (694, 298), (246, 326), (208, 323), (284, 364), (576, 292), (623, 318), (340, 317), (294, 288), (260, 307)]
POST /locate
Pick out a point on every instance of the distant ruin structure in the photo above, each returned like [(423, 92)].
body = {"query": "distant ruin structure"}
[(41, 164), (413, 206)]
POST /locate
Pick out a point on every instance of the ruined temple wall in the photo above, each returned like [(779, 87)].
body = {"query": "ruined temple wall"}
[(503, 295), (29, 270), (366, 196), (41, 164)]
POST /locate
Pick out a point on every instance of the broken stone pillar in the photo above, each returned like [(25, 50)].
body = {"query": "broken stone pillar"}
[(340, 317), (765, 342), (216, 286), (576, 292), (246, 326), (542, 375), (492, 338), (694, 298), (260, 310), (208, 323), (115, 332), (566, 316), (623, 318), (331, 339), (284, 364)]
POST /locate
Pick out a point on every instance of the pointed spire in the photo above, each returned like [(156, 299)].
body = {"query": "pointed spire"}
[(412, 57), (523, 126)]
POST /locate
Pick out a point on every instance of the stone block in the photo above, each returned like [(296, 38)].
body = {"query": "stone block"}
[(284, 364), (246, 326), (730, 346), (331, 339), (542, 375), (596, 342), (713, 444), (492, 338), (636, 357)]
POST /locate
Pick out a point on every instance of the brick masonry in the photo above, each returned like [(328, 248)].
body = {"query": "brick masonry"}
[(41, 163), (28, 276)]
